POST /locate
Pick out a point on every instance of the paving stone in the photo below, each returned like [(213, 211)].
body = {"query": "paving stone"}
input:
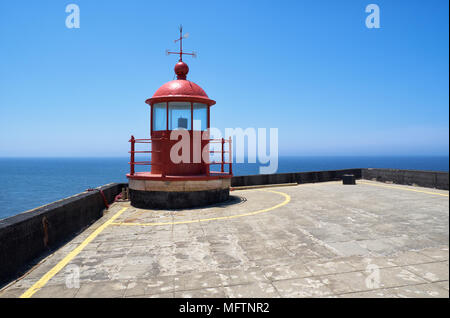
[(167, 295), (56, 291), (12, 292), (134, 272), (256, 253), (280, 271), (197, 281), (376, 293), (112, 289), (242, 276), (331, 267), (443, 284), (361, 263), (438, 254), (218, 292), (346, 282), (383, 246), (420, 291), (410, 258), (305, 254), (254, 290), (432, 272), (398, 276), (150, 286), (349, 248), (302, 287)]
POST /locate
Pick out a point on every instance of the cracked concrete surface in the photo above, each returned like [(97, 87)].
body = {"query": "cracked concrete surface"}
[(329, 240)]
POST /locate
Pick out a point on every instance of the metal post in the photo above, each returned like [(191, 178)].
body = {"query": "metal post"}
[(192, 117), (192, 134), (132, 140), (208, 159), (167, 115), (223, 155), (208, 123), (209, 142), (230, 156), (151, 121)]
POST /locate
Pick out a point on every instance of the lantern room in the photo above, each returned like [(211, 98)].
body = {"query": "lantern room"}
[(179, 104)]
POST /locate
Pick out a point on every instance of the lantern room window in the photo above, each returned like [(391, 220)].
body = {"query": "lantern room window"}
[(179, 115), (159, 116), (200, 116)]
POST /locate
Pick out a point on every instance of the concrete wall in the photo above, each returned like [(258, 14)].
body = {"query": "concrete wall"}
[(428, 179), (294, 177), (29, 235)]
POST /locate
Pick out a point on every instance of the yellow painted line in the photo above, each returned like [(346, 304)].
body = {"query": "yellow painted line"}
[(261, 186), (287, 198), (402, 188), (44, 279)]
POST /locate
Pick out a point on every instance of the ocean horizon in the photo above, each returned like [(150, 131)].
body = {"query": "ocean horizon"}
[(28, 183)]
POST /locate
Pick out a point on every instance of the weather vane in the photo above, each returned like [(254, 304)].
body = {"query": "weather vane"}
[(185, 36)]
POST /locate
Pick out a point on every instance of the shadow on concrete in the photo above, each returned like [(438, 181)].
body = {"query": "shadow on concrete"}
[(233, 200)]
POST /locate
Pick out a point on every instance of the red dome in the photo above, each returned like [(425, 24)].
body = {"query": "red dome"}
[(180, 89)]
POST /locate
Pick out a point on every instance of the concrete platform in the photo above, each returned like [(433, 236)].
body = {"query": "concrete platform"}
[(313, 240)]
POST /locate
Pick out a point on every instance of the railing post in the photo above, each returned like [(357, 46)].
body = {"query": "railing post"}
[(208, 162), (132, 140), (165, 144), (223, 155), (230, 156)]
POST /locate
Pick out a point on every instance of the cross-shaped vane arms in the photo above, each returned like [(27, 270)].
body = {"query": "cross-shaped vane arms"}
[(181, 46)]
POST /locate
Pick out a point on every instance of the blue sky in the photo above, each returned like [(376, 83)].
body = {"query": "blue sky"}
[(310, 68)]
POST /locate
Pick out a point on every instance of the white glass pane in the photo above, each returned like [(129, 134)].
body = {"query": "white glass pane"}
[(200, 116), (179, 115), (159, 116)]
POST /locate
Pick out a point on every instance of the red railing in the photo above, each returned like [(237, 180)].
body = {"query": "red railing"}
[(132, 152), (222, 163)]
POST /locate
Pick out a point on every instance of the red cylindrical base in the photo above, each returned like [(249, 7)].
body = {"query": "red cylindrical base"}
[(161, 152)]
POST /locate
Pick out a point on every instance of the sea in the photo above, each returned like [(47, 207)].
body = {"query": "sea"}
[(26, 183)]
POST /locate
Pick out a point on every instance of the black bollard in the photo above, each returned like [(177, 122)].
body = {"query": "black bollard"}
[(348, 179)]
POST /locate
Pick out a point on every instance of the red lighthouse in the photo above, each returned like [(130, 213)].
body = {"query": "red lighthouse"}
[(180, 109)]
